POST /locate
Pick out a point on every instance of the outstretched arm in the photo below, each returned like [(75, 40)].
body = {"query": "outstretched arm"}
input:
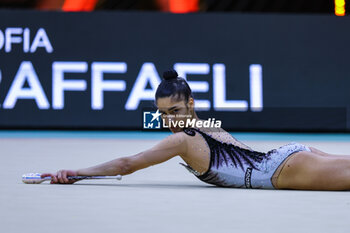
[(169, 147)]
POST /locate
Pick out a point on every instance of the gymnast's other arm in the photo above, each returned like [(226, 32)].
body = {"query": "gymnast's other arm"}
[(171, 146)]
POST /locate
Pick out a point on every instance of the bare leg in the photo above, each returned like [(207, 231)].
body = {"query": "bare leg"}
[(311, 171)]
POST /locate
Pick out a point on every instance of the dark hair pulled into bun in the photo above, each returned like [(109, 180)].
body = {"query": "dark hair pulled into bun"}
[(170, 74), (174, 86)]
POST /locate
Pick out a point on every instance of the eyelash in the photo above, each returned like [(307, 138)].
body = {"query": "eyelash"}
[(173, 111)]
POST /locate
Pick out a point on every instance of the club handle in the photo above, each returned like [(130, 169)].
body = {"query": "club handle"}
[(35, 178), (118, 177)]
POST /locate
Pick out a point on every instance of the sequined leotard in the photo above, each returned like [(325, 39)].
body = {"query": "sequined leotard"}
[(233, 166)]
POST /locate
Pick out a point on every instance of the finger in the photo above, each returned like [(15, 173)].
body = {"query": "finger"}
[(64, 177), (54, 179), (59, 176)]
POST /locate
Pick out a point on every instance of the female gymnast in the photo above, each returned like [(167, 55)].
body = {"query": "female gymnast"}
[(217, 158)]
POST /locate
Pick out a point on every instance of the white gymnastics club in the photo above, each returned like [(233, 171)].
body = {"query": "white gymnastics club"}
[(35, 178)]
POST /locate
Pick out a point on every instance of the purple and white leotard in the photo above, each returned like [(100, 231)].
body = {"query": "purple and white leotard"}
[(233, 166)]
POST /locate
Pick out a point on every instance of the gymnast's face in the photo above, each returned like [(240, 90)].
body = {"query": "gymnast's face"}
[(174, 111)]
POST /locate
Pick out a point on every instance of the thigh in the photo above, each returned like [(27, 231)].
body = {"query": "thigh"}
[(277, 173), (310, 171)]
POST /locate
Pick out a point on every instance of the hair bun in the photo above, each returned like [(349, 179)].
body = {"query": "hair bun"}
[(170, 74)]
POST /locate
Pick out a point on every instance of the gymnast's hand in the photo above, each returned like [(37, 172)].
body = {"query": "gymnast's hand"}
[(61, 177)]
